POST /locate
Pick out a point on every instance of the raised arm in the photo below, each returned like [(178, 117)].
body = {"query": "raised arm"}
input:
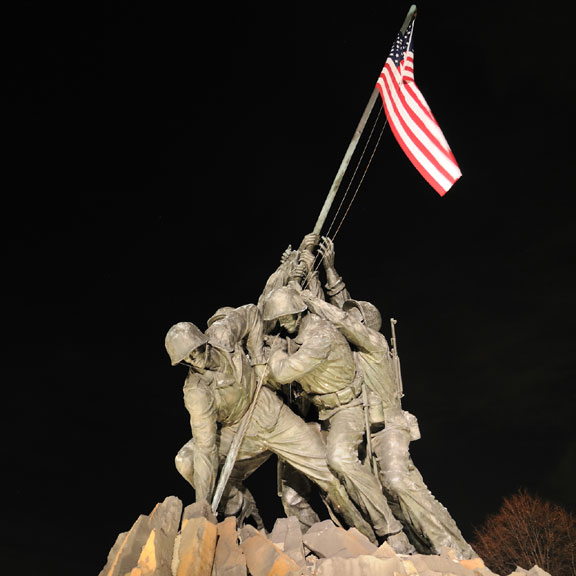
[(335, 288), (242, 325), (294, 266), (285, 368), (348, 324)]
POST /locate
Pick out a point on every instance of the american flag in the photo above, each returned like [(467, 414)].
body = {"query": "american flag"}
[(411, 119)]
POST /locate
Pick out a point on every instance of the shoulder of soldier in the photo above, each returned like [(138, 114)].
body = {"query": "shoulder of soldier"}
[(246, 308), (312, 319), (197, 382), (317, 327), (325, 323), (198, 394), (378, 337)]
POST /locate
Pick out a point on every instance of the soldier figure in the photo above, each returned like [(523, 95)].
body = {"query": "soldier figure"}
[(324, 367), (218, 391), (428, 523)]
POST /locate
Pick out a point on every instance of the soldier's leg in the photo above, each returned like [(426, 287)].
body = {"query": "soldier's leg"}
[(345, 434), (429, 523), (301, 446), (236, 499), (296, 494)]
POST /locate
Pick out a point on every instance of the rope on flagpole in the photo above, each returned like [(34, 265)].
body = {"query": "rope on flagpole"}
[(410, 16), (350, 152), (318, 262), (354, 175), (353, 142)]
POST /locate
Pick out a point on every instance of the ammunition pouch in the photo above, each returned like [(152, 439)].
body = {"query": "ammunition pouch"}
[(375, 408)]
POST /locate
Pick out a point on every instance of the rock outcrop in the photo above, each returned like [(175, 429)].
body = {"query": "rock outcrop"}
[(190, 541)]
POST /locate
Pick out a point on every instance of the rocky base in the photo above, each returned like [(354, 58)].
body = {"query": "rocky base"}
[(173, 541)]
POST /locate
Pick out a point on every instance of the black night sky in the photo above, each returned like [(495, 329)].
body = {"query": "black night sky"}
[(163, 158)]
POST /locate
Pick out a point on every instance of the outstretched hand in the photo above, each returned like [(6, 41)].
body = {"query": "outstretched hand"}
[(286, 254), (304, 266), (309, 242), (326, 250)]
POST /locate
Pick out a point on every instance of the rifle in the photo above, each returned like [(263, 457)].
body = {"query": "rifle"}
[(396, 361)]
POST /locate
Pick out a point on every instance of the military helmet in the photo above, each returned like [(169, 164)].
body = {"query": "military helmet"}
[(181, 339), (221, 337), (282, 302), (219, 314), (370, 313)]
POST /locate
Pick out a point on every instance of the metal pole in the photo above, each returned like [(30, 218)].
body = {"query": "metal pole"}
[(355, 138), (345, 162), (409, 17)]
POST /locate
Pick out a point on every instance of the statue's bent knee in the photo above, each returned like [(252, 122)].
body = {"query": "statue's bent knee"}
[(184, 462), (395, 481), (341, 459)]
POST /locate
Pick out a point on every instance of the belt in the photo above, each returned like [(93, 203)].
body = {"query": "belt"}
[(340, 397)]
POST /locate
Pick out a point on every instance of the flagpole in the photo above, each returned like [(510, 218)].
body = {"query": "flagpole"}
[(409, 17), (353, 143), (345, 162)]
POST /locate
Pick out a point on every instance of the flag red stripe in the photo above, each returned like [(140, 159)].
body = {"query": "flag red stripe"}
[(419, 154), (413, 91), (426, 156), (440, 188), (401, 137), (432, 147), (421, 115), (412, 122), (417, 95), (424, 173), (438, 139)]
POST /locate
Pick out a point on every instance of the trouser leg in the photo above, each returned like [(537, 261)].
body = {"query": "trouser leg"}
[(239, 500), (301, 446), (296, 494), (345, 434), (236, 499), (428, 520)]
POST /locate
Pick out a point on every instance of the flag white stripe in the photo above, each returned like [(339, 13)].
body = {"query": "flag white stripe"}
[(442, 181), (410, 57), (437, 151), (411, 119), (416, 150), (420, 108), (415, 100)]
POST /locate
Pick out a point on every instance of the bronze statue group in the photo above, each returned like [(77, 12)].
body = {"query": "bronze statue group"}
[(306, 374)]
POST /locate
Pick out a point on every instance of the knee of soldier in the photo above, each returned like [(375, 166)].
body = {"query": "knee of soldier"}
[(340, 458), (395, 481), (233, 503), (291, 497), (185, 465)]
